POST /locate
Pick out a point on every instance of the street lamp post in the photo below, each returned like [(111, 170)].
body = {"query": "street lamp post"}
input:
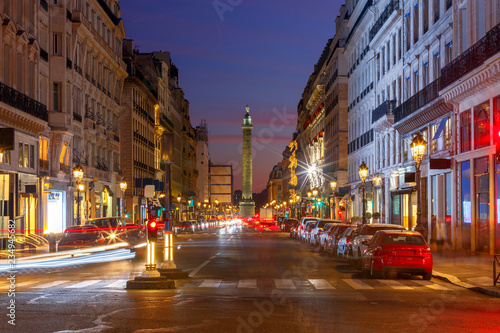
[(78, 174), (123, 187), (418, 146), (363, 173), (333, 185), (179, 217)]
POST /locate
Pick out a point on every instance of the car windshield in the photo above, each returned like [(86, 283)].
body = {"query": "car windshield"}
[(403, 239), (321, 224)]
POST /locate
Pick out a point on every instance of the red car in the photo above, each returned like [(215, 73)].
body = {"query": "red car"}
[(397, 251)]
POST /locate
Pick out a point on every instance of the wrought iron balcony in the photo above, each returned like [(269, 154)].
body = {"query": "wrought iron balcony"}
[(472, 58), (44, 55), (77, 117), (45, 5), (391, 7), (383, 109), (22, 102), (420, 99)]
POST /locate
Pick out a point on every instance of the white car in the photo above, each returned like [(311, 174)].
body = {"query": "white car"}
[(318, 230), (344, 244), (324, 236), (366, 233), (302, 225)]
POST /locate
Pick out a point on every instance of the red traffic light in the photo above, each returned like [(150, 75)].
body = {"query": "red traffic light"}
[(152, 229), (152, 224)]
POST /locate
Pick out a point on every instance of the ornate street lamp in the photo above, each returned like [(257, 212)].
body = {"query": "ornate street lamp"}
[(333, 186), (309, 195), (123, 187), (78, 174), (315, 193), (418, 146), (363, 173)]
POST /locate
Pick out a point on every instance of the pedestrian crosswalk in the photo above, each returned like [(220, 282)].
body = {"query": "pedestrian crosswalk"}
[(289, 285)]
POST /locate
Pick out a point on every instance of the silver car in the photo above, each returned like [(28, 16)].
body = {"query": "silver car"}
[(366, 233)]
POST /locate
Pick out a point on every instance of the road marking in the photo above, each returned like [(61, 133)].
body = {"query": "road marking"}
[(251, 284), (482, 281), (197, 269), (82, 284), (284, 284), (437, 287), (395, 284), (357, 284), (117, 284), (51, 284), (210, 284), (321, 284)]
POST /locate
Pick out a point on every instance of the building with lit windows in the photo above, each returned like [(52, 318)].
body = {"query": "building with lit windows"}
[(361, 101), (469, 82), (137, 132), (24, 141)]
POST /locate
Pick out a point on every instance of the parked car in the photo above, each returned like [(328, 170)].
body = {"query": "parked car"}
[(306, 233), (366, 233), (294, 229), (344, 245), (397, 251), (318, 229), (324, 236), (302, 225), (286, 224), (334, 237)]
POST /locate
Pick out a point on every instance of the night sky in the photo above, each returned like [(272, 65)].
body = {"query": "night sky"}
[(231, 53)]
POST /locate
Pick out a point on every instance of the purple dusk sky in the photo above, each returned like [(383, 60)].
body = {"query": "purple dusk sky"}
[(253, 52)]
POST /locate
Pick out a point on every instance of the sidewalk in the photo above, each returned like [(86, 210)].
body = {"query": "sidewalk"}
[(470, 270)]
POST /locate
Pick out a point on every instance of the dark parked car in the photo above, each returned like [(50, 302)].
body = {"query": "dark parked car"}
[(286, 224)]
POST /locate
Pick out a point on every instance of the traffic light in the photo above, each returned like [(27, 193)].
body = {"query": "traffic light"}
[(152, 230)]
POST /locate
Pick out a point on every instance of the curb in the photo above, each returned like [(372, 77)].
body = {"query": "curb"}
[(456, 281)]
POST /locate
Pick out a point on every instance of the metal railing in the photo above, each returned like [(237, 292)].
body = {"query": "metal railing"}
[(383, 109), (391, 7), (415, 102), (496, 261), (23, 102), (472, 58)]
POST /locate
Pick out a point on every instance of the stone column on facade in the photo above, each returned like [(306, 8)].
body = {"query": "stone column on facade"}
[(247, 205)]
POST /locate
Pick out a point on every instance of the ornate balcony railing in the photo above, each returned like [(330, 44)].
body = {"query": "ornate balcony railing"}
[(100, 120), (391, 7), (77, 117), (472, 58), (22, 102), (89, 114), (420, 99), (383, 109), (45, 5), (44, 55)]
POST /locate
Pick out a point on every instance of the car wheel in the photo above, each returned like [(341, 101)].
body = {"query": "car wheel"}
[(427, 276)]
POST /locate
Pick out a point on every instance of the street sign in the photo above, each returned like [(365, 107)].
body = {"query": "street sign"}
[(149, 191)]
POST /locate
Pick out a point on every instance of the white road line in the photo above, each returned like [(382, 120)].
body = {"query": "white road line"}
[(321, 284), (482, 281), (435, 286), (284, 284), (210, 284), (51, 284), (357, 284), (117, 284), (395, 284), (82, 284), (197, 269), (251, 284), (423, 282)]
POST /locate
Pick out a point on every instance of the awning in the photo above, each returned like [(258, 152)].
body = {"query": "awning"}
[(440, 128), (346, 199)]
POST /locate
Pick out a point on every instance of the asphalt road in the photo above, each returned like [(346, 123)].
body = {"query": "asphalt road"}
[(241, 281)]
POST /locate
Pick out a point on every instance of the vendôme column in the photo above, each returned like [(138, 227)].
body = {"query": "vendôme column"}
[(247, 205)]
